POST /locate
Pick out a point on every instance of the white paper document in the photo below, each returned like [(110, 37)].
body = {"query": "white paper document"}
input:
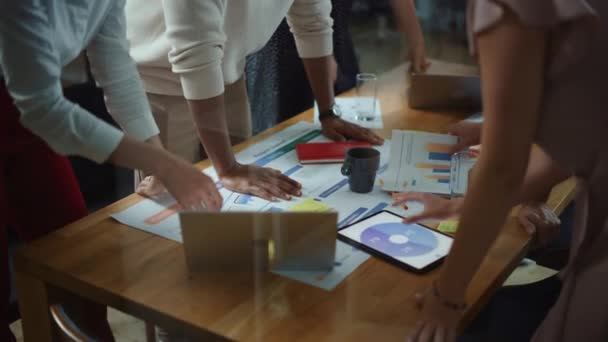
[(349, 109), (420, 161), (323, 187), (462, 164)]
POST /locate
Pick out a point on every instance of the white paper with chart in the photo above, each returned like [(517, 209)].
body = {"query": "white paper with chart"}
[(421, 161), (324, 188)]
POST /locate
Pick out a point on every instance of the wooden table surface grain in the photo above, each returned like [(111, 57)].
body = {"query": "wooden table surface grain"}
[(146, 276)]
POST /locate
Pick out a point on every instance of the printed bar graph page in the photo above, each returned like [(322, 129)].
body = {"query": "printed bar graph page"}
[(419, 161)]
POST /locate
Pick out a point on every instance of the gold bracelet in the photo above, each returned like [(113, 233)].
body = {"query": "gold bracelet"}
[(447, 303)]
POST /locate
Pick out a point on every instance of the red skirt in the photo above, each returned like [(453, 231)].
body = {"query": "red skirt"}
[(38, 190), (37, 186)]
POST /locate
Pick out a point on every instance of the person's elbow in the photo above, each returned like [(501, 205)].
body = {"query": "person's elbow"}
[(200, 71), (48, 118), (312, 27)]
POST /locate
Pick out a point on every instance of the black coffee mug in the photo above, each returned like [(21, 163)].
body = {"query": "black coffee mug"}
[(361, 165)]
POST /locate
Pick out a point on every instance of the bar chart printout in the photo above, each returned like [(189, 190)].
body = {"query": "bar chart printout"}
[(419, 161)]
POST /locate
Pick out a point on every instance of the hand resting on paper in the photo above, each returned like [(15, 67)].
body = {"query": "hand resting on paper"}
[(187, 184), (150, 186), (338, 129), (435, 207), (263, 182)]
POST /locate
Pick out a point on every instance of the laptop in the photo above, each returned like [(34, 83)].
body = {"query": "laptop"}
[(445, 92), (259, 241)]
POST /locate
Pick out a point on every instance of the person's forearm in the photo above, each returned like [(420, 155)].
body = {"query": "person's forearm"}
[(210, 118), (138, 155), (318, 71), (511, 59), (156, 142), (542, 174), (408, 23), (479, 225)]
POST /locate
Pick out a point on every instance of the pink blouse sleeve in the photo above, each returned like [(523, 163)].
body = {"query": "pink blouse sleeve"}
[(570, 22)]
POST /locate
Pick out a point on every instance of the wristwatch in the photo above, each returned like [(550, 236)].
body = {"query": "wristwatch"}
[(332, 112)]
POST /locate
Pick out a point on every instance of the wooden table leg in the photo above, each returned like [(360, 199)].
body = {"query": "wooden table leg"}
[(33, 297)]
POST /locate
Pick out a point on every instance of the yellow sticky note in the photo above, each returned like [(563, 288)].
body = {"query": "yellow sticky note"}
[(448, 227), (309, 205)]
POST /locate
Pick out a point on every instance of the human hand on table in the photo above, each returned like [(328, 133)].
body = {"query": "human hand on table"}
[(435, 207), (189, 186), (338, 129), (469, 134), (417, 57), (437, 322), (540, 222), (263, 182), (150, 186), (208, 195)]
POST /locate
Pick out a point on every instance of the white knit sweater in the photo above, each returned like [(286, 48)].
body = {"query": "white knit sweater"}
[(193, 48)]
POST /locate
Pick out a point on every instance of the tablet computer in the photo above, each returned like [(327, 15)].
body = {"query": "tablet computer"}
[(414, 247)]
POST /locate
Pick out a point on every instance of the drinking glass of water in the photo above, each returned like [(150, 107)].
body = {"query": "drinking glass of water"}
[(367, 88)]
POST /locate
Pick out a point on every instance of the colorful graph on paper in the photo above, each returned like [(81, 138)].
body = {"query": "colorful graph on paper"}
[(420, 161), (440, 153)]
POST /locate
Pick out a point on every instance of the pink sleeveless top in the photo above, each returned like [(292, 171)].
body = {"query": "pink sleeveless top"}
[(572, 129)]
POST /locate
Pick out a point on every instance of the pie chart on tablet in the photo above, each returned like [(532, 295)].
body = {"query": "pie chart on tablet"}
[(400, 240)]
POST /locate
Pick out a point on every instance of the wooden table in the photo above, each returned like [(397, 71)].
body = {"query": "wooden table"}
[(146, 276)]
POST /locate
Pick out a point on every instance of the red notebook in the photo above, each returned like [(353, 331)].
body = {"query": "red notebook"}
[(331, 152)]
